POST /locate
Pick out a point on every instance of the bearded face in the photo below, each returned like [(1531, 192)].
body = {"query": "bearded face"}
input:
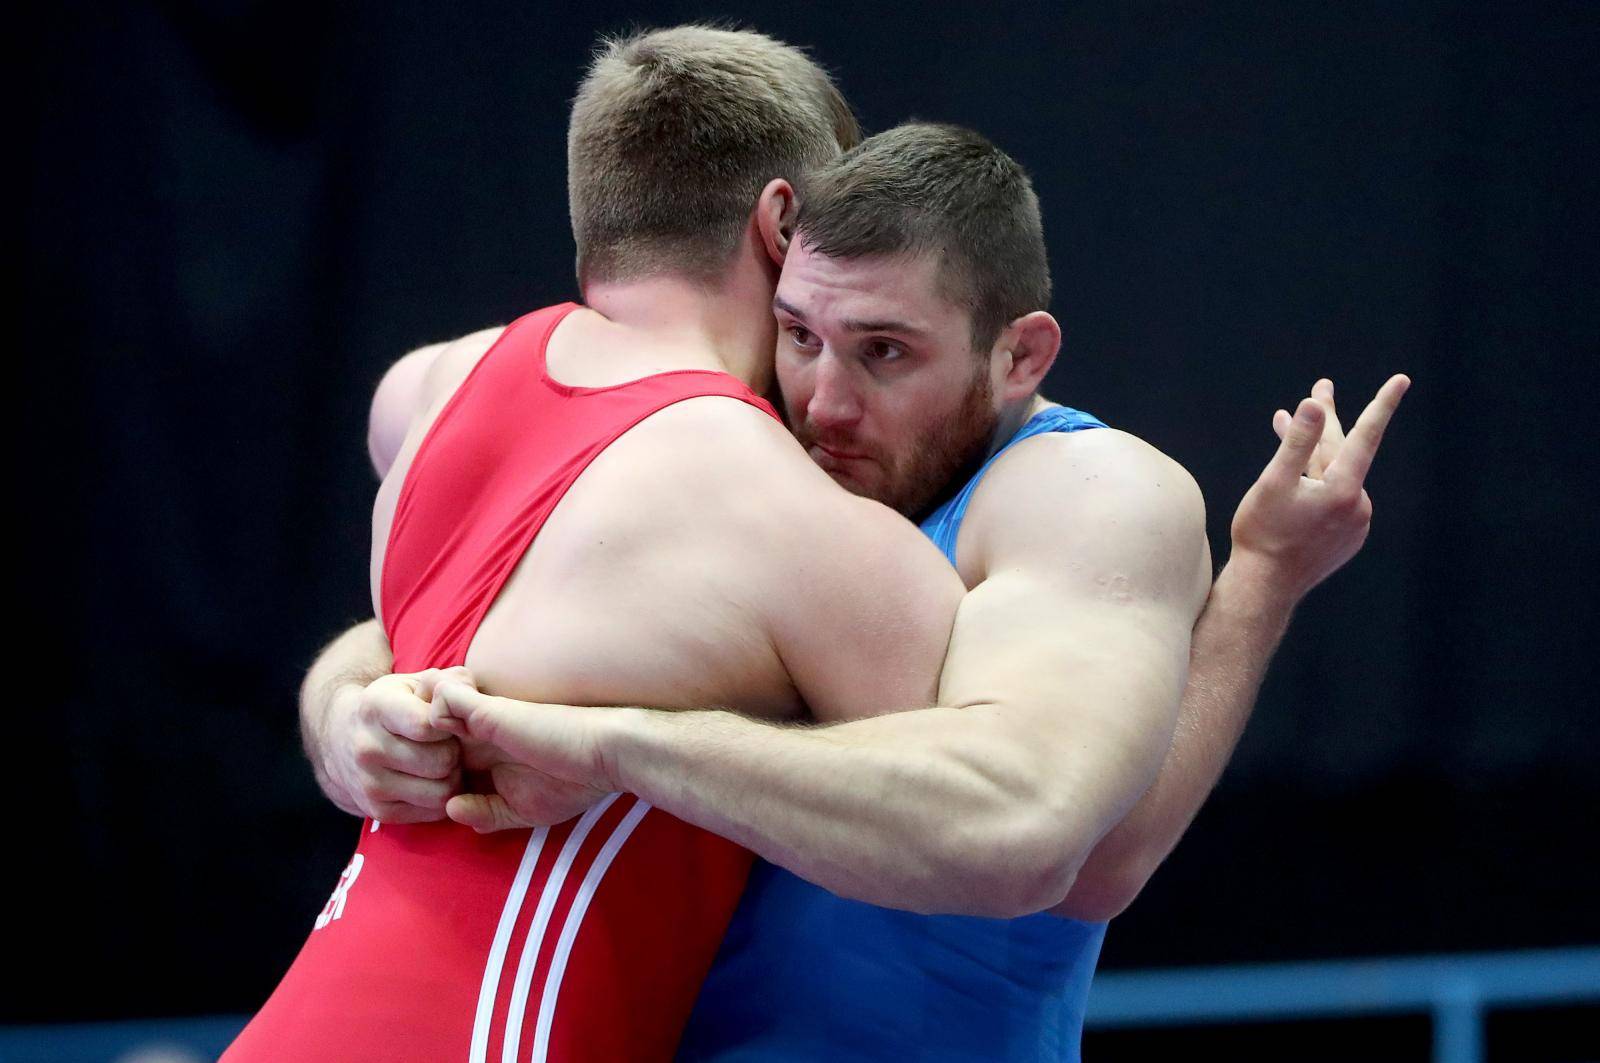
[(910, 470), (880, 382)]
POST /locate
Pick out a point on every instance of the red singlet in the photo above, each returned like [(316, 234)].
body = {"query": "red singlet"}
[(584, 941)]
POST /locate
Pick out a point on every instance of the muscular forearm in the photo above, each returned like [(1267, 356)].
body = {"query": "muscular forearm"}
[(1234, 640), (923, 810), (344, 666)]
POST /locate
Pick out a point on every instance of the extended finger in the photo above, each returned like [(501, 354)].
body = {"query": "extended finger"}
[(1332, 431), (1299, 441), (1355, 459)]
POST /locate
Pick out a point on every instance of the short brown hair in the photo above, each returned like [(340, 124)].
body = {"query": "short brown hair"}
[(929, 188), (675, 132)]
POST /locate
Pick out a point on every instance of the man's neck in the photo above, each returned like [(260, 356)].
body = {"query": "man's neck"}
[(728, 328), (1011, 421)]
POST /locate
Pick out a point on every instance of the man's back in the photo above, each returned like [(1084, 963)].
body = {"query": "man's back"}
[(685, 552)]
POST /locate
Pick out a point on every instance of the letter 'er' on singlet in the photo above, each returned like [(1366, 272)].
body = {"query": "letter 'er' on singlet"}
[(583, 941), (842, 980)]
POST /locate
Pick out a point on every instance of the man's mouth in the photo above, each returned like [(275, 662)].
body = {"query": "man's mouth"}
[(823, 454)]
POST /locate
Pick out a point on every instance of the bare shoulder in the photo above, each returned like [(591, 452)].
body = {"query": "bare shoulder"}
[(452, 361), (712, 445), (1102, 468), (856, 602), (734, 460), (412, 386), (757, 460), (1099, 499)]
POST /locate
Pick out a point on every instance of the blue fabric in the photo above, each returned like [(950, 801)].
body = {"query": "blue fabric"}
[(806, 975), (944, 523)]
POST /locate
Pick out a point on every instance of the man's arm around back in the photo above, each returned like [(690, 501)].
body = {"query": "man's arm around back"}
[(1289, 534), (1056, 705)]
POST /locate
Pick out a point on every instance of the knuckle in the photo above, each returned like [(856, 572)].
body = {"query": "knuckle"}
[(1348, 500), (366, 752), (406, 721), (369, 704), (437, 764)]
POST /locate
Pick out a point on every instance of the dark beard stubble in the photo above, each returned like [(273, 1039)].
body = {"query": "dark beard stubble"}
[(954, 443)]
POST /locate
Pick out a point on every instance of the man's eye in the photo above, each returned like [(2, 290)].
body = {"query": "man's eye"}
[(880, 351), (802, 337)]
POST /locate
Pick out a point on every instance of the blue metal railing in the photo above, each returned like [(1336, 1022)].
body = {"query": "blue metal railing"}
[(1455, 990)]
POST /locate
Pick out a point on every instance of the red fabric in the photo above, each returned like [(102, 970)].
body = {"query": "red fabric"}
[(418, 953)]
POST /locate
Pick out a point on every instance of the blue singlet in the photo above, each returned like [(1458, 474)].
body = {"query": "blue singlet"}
[(805, 975)]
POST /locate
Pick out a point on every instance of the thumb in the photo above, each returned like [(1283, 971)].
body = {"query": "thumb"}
[(1300, 439), (484, 813)]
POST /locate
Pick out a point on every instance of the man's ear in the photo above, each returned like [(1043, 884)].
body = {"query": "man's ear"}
[(774, 217), (1028, 348)]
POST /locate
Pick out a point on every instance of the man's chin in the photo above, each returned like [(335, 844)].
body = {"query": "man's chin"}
[(848, 482)]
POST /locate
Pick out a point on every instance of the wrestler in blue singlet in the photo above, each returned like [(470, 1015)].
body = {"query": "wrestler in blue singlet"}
[(806, 975)]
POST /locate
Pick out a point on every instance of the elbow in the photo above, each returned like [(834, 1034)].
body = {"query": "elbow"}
[(1099, 899), (1105, 889), (1014, 864)]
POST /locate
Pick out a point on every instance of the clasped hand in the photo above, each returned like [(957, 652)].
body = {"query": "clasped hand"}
[(425, 746)]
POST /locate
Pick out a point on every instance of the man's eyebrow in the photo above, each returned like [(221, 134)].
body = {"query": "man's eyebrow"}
[(779, 304), (856, 324)]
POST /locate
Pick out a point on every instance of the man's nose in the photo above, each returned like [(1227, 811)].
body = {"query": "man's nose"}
[(834, 399)]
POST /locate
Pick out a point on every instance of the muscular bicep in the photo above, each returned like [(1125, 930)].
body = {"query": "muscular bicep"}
[(1082, 679), (1076, 642)]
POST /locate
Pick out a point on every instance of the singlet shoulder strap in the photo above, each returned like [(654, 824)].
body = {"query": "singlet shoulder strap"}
[(943, 526)]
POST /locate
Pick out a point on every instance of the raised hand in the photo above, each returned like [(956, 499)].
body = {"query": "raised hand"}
[(1309, 512)]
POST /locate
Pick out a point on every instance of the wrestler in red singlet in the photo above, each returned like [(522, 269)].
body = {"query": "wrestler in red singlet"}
[(584, 941)]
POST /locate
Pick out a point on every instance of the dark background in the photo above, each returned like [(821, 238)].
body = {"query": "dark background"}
[(238, 214)]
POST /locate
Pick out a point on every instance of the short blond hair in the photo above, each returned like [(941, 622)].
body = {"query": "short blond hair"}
[(675, 132)]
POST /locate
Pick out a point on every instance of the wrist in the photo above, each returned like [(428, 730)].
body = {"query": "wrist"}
[(624, 739), (342, 702), (1258, 584)]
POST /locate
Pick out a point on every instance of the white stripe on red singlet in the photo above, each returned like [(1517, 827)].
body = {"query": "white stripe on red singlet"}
[(502, 941), (518, 1005), (569, 932)]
